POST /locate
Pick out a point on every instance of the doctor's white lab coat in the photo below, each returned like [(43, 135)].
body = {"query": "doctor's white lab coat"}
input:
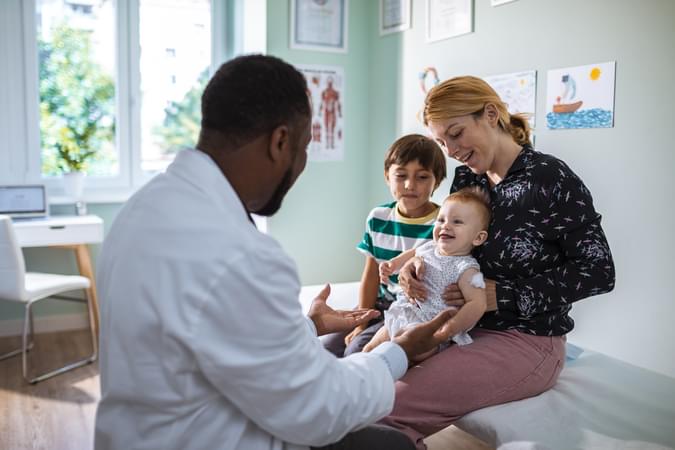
[(203, 341)]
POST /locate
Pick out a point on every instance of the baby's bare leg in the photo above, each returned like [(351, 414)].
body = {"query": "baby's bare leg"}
[(381, 336)]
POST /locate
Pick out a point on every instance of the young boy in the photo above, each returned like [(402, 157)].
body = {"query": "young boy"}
[(461, 225), (414, 166)]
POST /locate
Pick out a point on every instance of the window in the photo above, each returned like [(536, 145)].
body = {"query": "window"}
[(76, 87), (175, 44), (119, 87), (67, 65)]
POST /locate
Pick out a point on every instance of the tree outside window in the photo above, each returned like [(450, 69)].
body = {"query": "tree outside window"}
[(77, 105)]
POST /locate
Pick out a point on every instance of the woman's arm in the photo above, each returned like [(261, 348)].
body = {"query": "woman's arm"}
[(410, 279), (583, 266), (588, 270)]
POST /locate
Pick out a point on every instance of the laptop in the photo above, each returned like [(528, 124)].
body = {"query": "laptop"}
[(28, 201)]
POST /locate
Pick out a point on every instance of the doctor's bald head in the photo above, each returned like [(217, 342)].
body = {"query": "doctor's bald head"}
[(249, 96)]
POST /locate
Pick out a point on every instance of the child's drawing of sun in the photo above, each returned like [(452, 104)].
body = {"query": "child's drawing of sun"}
[(595, 73)]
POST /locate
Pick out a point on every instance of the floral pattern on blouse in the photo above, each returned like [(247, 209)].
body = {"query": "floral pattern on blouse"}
[(545, 247)]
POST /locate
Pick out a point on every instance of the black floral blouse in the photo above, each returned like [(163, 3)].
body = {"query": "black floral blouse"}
[(545, 249)]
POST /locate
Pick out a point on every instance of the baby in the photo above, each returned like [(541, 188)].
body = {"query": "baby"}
[(461, 225)]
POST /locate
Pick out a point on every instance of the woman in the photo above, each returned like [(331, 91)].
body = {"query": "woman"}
[(545, 250)]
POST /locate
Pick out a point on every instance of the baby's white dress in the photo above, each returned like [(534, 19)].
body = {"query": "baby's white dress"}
[(439, 272)]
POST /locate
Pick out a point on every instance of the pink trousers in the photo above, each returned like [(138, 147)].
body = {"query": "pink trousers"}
[(498, 367)]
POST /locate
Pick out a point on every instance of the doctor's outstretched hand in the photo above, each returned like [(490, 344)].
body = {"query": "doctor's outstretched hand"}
[(327, 320), (427, 335)]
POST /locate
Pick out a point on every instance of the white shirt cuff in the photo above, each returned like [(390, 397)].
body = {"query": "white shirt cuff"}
[(310, 324), (394, 356)]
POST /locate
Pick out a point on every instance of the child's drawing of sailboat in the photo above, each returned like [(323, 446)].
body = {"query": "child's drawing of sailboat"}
[(564, 102)]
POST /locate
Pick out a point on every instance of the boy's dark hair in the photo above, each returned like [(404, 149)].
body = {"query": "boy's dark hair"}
[(420, 148), (476, 195), (252, 95)]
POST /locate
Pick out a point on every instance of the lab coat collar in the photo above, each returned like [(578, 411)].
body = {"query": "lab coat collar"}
[(199, 169)]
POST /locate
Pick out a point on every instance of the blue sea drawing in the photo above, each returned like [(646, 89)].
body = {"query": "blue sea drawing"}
[(585, 118)]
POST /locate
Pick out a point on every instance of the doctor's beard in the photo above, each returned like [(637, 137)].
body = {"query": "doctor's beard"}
[(280, 192)]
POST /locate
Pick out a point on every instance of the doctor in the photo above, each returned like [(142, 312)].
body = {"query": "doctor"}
[(203, 341)]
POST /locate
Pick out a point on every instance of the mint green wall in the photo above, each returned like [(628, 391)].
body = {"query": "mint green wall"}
[(323, 216), (386, 66)]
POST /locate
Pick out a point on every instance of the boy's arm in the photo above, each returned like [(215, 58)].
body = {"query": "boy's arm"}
[(369, 284), (392, 266), (475, 306), (367, 293)]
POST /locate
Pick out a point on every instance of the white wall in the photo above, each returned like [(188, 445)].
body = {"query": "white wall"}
[(12, 111), (627, 168)]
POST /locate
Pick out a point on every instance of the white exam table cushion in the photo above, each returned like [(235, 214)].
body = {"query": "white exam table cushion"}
[(598, 402)]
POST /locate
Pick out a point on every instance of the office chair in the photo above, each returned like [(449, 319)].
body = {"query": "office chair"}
[(19, 286)]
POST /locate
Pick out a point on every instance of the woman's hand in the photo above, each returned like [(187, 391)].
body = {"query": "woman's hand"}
[(410, 279), (491, 295), (453, 296)]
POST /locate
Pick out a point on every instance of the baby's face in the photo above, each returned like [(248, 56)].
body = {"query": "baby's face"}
[(458, 228)]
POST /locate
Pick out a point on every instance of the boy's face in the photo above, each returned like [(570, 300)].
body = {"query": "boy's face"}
[(411, 185), (458, 228)]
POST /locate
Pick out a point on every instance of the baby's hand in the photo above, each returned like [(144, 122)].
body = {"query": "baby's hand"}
[(385, 271)]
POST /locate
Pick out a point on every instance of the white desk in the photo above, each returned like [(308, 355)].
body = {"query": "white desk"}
[(59, 230), (70, 232)]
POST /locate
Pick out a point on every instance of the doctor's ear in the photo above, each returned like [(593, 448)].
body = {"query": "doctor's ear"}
[(279, 142)]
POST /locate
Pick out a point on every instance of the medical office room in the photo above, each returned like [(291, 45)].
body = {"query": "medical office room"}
[(97, 98)]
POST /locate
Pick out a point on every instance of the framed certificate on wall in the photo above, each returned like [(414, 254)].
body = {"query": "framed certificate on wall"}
[(394, 16), (319, 25), (448, 18)]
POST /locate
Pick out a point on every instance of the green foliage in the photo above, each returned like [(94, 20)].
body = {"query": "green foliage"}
[(76, 102), (182, 120)]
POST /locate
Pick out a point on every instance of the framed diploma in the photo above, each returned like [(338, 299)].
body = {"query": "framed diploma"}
[(394, 16), (319, 25), (448, 18)]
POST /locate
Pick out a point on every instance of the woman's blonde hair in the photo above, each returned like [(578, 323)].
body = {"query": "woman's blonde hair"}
[(461, 96)]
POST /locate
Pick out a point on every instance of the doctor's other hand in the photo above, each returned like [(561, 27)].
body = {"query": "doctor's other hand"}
[(428, 335), (327, 320), (410, 279)]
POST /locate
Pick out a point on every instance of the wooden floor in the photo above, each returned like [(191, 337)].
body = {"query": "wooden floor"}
[(58, 414)]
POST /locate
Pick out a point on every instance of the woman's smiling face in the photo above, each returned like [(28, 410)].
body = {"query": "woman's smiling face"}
[(467, 139)]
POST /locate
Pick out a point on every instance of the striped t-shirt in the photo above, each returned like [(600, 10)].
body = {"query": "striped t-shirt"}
[(388, 234)]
